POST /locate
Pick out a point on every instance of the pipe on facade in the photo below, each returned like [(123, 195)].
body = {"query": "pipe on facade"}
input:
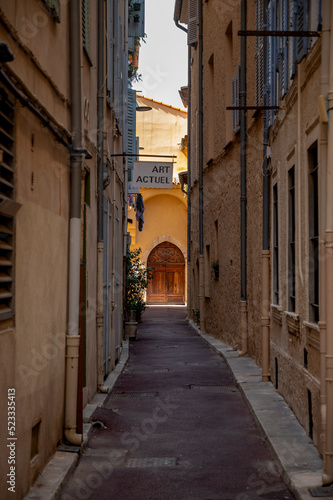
[(73, 337), (201, 207), (242, 96), (325, 66), (125, 157), (265, 288), (189, 183), (328, 473), (178, 8), (100, 172)]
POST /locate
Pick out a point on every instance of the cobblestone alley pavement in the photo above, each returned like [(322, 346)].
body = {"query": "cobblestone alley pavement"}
[(175, 426)]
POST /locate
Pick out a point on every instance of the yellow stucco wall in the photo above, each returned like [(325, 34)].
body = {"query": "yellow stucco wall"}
[(160, 132)]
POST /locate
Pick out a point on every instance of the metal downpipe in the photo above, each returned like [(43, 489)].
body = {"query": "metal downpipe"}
[(189, 181), (328, 473), (100, 172), (242, 95), (325, 68), (73, 337), (201, 209), (265, 279), (178, 7)]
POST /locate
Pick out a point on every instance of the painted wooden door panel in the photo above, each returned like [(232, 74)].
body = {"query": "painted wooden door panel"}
[(168, 269)]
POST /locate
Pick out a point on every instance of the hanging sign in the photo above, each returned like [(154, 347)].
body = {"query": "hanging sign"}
[(152, 174)]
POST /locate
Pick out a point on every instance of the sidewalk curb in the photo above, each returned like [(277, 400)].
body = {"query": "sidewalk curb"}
[(297, 459), (52, 478)]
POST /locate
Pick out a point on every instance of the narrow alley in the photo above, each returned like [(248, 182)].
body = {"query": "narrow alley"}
[(175, 426)]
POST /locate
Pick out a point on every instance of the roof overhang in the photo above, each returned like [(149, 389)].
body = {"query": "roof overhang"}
[(180, 12)]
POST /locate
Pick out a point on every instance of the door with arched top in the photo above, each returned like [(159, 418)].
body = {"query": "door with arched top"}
[(168, 269)]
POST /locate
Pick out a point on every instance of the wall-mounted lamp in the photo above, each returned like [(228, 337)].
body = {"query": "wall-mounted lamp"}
[(182, 176)]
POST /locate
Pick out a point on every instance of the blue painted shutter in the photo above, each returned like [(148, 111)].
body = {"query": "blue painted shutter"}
[(302, 25)]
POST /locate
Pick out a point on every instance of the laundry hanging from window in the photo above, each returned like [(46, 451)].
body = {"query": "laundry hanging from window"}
[(140, 208)]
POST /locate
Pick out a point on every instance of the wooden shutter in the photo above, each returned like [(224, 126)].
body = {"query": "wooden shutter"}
[(292, 40), (7, 137), (259, 53), (271, 59), (131, 142), (283, 63), (235, 82), (85, 24), (193, 20), (302, 25), (109, 50)]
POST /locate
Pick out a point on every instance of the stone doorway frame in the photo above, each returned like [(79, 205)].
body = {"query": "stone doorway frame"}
[(170, 239)]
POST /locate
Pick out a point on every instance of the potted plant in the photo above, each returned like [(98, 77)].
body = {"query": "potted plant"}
[(136, 6), (216, 269), (137, 279), (136, 18)]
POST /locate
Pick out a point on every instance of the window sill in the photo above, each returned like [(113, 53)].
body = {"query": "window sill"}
[(312, 334), (276, 312), (293, 323)]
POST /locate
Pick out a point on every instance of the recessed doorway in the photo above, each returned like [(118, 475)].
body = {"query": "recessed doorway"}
[(168, 269)]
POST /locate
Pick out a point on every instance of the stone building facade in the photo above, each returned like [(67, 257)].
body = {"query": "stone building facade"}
[(260, 192), (63, 184), (162, 131)]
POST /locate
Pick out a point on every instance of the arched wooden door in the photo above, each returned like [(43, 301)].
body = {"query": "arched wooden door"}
[(168, 269)]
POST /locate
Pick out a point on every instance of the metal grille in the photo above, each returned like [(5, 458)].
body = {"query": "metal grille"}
[(6, 200), (214, 388), (150, 462)]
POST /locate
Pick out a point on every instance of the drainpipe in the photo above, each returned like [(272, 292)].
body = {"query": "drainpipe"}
[(242, 95), (325, 67), (265, 254), (73, 337), (178, 9), (189, 183), (328, 474), (100, 172), (201, 235)]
